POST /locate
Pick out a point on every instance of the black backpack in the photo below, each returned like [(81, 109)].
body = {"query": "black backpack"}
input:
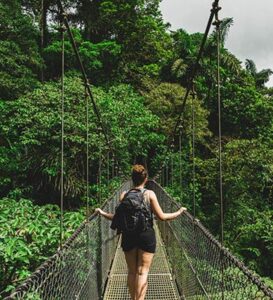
[(132, 215)]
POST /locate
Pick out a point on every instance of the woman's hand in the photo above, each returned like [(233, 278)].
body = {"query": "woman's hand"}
[(182, 209), (106, 215), (99, 211)]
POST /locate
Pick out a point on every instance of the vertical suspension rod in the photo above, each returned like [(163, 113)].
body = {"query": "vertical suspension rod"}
[(87, 153), (196, 64), (95, 108), (192, 76), (180, 160), (62, 132), (42, 36), (217, 24), (193, 151)]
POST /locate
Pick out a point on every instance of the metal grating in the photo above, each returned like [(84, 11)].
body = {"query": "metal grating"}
[(160, 282)]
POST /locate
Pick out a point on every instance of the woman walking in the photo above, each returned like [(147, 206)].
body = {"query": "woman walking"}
[(139, 248)]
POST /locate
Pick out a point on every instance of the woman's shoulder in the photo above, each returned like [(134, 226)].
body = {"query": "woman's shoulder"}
[(149, 191)]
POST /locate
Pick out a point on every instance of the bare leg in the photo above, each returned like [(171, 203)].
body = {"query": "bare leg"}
[(143, 266), (131, 260)]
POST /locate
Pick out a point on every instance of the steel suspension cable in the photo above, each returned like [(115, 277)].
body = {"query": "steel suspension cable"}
[(193, 152), (86, 83), (195, 68), (217, 24), (113, 167), (99, 173), (42, 36), (196, 64), (62, 29), (180, 160), (108, 169), (172, 166), (87, 153)]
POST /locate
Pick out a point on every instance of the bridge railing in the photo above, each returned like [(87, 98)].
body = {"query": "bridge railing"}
[(202, 268), (80, 269)]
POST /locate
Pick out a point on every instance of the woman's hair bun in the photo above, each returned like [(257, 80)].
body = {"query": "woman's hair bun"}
[(138, 169), (139, 174)]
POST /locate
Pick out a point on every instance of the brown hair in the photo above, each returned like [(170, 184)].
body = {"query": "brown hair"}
[(139, 174)]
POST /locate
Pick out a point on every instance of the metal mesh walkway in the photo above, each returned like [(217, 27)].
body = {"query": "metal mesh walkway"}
[(160, 282), (203, 268)]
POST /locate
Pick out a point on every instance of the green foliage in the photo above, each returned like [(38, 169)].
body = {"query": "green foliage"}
[(19, 59), (166, 99), (125, 41), (29, 235), (261, 77), (35, 131), (248, 186), (99, 59), (246, 111)]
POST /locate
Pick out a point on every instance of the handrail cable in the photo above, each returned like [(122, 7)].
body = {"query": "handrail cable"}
[(225, 252), (45, 281)]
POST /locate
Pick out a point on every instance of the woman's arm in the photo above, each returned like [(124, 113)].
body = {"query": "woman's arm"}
[(108, 216), (158, 210)]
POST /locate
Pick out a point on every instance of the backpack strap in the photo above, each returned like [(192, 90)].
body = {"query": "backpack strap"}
[(142, 191)]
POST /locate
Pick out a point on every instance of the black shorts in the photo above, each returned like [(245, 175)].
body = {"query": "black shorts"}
[(145, 241)]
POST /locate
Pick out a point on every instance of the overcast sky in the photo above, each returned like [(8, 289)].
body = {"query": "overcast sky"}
[(251, 36)]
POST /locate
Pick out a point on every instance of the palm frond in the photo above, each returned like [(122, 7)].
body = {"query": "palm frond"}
[(263, 77), (224, 30), (251, 67), (231, 63)]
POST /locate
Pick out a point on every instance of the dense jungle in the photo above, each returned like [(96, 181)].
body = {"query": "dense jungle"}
[(138, 69)]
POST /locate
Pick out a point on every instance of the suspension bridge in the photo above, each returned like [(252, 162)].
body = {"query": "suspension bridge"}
[(189, 263)]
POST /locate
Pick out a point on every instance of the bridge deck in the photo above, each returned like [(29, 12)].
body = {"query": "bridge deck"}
[(160, 282)]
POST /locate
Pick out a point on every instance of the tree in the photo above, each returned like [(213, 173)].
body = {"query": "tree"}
[(247, 187), (137, 26), (165, 100), (33, 128), (261, 77), (100, 60), (20, 60), (246, 112)]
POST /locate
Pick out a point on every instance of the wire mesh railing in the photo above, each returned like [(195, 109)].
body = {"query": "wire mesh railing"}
[(203, 269), (80, 269)]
